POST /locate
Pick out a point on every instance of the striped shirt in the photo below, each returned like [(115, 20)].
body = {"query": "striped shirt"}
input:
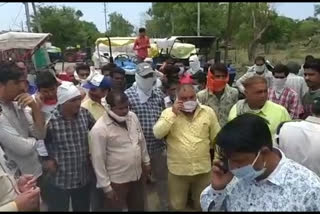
[(288, 99)]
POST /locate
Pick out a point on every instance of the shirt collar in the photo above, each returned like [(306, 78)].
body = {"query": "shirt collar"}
[(278, 177), (312, 119)]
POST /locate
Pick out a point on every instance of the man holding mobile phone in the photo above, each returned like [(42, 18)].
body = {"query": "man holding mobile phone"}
[(190, 129), (259, 177)]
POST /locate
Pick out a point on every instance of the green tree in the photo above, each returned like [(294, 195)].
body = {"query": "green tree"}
[(119, 26), (65, 26), (316, 10)]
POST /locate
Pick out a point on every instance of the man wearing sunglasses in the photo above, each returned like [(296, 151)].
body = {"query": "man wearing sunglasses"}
[(281, 94)]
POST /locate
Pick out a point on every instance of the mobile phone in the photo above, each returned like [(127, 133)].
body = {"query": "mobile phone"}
[(225, 165)]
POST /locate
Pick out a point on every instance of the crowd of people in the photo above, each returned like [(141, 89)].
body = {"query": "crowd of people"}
[(84, 138)]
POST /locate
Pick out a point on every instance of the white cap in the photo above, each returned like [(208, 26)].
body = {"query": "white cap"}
[(67, 91)]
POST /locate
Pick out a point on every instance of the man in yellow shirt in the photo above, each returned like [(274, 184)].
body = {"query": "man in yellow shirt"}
[(98, 86), (190, 129), (256, 102)]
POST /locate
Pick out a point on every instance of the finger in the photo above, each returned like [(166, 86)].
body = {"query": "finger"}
[(28, 176)]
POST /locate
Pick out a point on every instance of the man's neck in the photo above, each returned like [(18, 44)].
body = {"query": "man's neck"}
[(272, 162), (219, 93), (68, 116), (315, 88), (255, 107), (95, 99)]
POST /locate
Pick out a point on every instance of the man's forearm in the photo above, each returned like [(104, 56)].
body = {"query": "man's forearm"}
[(38, 122)]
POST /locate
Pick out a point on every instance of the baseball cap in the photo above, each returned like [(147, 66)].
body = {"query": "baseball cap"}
[(98, 81), (144, 69)]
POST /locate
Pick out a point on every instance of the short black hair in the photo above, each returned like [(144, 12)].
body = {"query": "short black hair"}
[(258, 58), (170, 83), (82, 66), (115, 97), (171, 69), (142, 30), (10, 71), (219, 67), (313, 64), (316, 106), (117, 70), (247, 133), (45, 80), (108, 67), (280, 68), (200, 77), (308, 58), (293, 67)]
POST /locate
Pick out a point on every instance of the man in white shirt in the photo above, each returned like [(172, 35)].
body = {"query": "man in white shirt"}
[(299, 140), (254, 176), (260, 69), (295, 82)]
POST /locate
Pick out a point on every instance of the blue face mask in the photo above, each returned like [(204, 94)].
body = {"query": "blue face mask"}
[(248, 172)]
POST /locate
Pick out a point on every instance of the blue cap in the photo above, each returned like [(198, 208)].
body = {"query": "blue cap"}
[(98, 81)]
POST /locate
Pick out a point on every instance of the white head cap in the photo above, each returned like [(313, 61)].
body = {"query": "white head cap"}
[(67, 91)]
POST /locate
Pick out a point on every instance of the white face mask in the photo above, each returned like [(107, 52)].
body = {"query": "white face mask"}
[(145, 84), (279, 84), (259, 69), (190, 106), (117, 117), (195, 66)]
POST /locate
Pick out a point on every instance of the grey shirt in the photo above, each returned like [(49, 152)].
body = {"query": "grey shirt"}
[(18, 138)]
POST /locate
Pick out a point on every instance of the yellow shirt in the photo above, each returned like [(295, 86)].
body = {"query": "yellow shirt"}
[(188, 140), (272, 112), (96, 109)]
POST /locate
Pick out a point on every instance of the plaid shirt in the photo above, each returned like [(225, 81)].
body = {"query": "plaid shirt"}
[(67, 143), (148, 114), (288, 99)]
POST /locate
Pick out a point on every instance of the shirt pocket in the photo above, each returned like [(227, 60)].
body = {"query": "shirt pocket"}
[(201, 129)]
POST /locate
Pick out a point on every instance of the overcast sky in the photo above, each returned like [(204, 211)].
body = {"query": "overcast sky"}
[(13, 14)]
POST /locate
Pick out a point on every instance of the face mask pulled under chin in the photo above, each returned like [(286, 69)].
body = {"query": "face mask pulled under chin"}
[(117, 117), (248, 172)]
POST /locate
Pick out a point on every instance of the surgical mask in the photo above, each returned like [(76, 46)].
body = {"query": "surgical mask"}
[(279, 84), (248, 172), (259, 69), (145, 84), (117, 117), (190, 106)]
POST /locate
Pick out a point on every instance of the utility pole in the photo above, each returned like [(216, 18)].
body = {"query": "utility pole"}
[(198, 25), (27, 15), (36, 17), (105, 16), (228, 32)]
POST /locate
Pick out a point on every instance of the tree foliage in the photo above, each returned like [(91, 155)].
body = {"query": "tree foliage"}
[(66, 27), (119, 26)]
